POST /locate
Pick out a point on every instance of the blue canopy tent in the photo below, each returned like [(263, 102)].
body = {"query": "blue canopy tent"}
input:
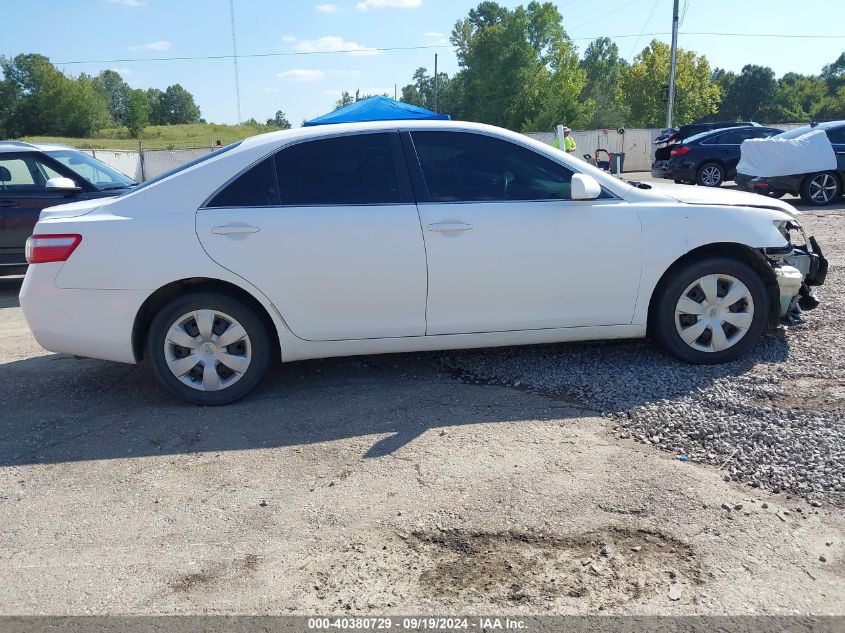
[(376, 109)]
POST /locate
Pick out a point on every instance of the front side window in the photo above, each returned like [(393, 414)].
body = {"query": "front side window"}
[(357, 169), (466, 167), (24, 173)]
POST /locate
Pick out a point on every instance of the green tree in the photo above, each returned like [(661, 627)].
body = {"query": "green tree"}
[(604, 67), (116, 92), (559, 89), (279, 120), (158, 115), (510, 59), (345, 100), (177, 105), (137, 112), (44, 101), (751, 96), (798, 98), (834, 75), (696, 96), (421, 91)]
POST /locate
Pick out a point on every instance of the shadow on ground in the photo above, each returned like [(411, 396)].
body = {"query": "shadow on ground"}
[(56, 408)]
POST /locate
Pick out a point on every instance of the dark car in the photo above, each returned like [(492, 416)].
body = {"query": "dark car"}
[(817, 188), (672, 135), (708, 158), (34, 176)]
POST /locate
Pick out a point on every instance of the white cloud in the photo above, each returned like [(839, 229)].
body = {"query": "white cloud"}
[(122, 71), (388, 4), (270, 90), (301, 75), (332, 44), (288, 39), (433, 34), (326, 8), (160, 45), (128, 3)]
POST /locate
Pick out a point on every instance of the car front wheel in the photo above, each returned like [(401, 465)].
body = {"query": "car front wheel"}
[(710, 175), (820, 189), (208, 349), (711, 311)]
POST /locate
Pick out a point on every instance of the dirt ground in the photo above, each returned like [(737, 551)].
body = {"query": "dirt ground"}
[(371, 485)]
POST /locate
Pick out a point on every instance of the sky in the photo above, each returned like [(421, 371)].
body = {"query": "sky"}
[(306, 81)]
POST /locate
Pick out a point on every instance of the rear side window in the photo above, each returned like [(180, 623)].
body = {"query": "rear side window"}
[(256, 187), (347, 170), (465, 167), (735, 137)]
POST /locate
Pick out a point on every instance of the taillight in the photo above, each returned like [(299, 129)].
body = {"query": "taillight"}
[(41, 249), (679, 151)]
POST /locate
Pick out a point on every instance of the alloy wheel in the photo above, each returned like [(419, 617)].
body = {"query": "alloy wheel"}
[(822, 188), (711, 176), (207, 350), (714, 313)]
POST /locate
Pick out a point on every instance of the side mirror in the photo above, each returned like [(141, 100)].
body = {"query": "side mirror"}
[(61, 184), (585, 187)]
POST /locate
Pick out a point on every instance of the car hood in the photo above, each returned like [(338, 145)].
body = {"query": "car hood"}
[(73, 209), (691, 194)]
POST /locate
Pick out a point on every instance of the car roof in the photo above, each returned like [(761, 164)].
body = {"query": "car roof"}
[(23, 146), (338, 129)]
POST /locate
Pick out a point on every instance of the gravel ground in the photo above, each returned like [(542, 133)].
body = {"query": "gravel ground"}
[(773, 419)]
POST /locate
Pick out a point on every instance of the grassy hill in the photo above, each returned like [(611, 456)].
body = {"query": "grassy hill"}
[(162, 136)]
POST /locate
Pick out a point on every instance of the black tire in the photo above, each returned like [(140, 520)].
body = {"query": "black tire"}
[(710, 175), (664, 328), (811, 194), (259, 342)]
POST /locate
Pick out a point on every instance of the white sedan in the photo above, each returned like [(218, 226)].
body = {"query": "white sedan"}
[(402, 236)]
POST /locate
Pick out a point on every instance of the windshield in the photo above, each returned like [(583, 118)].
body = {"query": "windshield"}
[(185, 166), (97, 173)]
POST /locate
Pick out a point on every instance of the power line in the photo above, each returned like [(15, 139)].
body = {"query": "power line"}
[(242, 56), (599, 17), (645, 26), (426, 47)]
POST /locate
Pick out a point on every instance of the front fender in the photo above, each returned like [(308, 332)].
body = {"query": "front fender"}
[(671, 231)]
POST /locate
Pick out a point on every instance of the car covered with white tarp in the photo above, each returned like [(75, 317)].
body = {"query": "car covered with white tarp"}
[(808, 161)]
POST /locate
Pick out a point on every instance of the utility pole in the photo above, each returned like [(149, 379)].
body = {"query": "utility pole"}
[(435, 83), (674, 64), (235, 58)]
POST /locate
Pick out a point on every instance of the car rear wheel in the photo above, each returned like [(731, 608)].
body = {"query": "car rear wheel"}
[(820, 189), (710, 175), (208, 349), (711, 311)]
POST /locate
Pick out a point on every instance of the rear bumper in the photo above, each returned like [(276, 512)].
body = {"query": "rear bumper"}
[(672, 171), (768, 185), (91, 323)]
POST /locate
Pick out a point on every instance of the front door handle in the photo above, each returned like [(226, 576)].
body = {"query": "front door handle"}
[(234, 229), (9, 203), (446, 227)]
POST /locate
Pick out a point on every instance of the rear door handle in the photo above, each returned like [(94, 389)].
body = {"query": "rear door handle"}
[(9, 203), (234, 229), (446, 227)]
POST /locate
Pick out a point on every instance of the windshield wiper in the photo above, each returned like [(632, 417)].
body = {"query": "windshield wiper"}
[(111, 187)]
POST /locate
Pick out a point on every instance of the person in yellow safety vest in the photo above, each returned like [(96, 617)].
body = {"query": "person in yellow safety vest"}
[(568, 141)]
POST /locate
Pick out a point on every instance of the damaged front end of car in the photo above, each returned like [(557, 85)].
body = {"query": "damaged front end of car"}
[(798, 267)]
